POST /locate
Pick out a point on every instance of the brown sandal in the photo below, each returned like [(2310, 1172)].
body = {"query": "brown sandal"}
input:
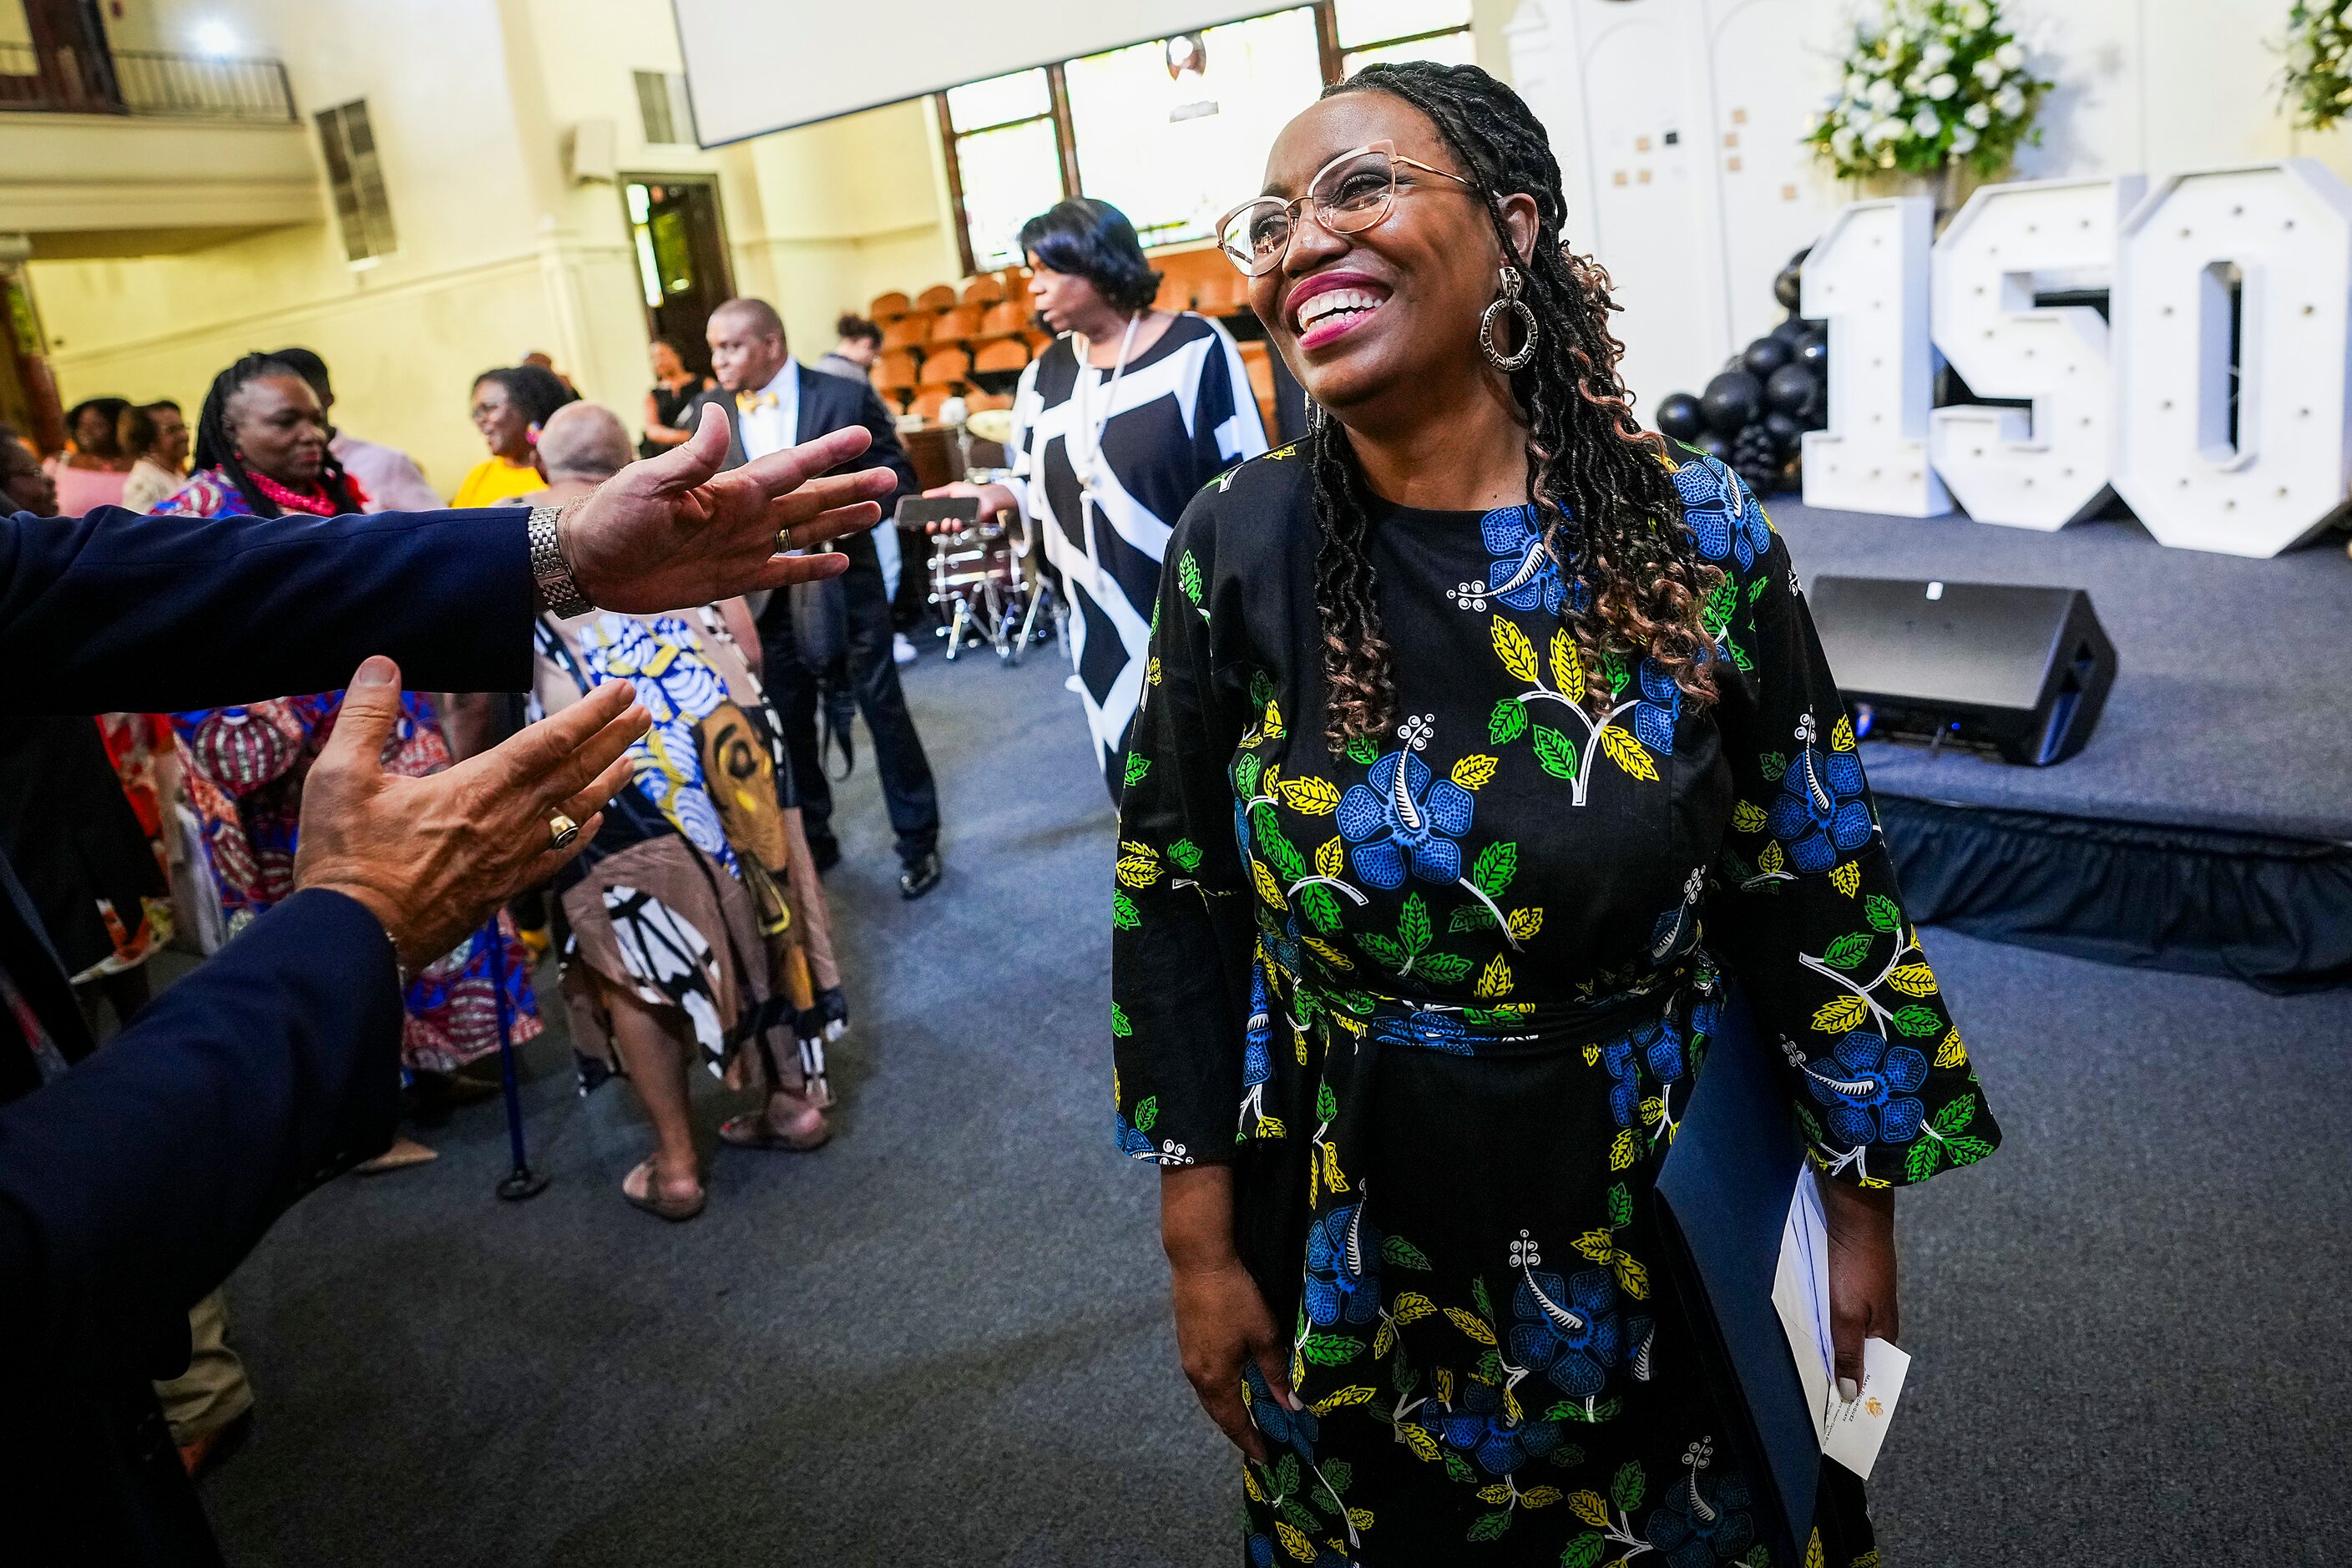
[(672, 1209), (751, 1131)]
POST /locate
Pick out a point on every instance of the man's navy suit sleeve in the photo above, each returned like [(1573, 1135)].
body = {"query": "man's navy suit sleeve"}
[(135, 1183), (887, 452), (116, 612)]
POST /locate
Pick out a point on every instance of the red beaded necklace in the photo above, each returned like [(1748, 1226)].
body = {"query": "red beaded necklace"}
[(316, 503)]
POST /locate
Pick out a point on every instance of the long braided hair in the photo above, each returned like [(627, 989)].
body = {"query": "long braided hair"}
[(216, 446), (1607, 509)]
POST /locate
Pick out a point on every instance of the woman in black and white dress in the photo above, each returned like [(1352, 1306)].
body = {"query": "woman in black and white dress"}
[(1116, 427)]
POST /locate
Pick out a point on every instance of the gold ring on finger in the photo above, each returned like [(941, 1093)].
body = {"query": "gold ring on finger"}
[(561, 830), (783, 541)]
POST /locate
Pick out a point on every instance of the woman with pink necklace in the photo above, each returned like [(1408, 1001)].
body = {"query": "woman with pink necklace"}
[(261, 450)]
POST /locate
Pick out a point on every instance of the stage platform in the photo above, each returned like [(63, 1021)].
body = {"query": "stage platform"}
[(2207, 825)]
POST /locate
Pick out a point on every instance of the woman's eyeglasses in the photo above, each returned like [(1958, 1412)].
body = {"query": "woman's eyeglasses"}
[(1349, 195)]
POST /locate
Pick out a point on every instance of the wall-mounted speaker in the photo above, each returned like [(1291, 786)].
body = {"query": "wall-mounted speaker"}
[(590, 153)]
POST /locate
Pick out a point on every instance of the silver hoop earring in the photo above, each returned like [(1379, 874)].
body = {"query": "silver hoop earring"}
[(1317, 417), (1508, 301)]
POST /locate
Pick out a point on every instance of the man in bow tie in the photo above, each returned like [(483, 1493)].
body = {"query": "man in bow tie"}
[(772, 402)]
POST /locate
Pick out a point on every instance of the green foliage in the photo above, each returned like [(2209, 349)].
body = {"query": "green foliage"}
[(1715, 614), (1773, 764), (1412, 925), (1363, 749), (1490, 1526), (2316, 86), (1883, 912), (1280, 852), (1496, 864), (1330, 1349), (1123, 915), (1918, 1020), (1397, 1250), (1119, 1026), (1930, 85), (1147, 1113), (1508, 722), (1138, 764), (1848, 951), (1186, 854), (1586, 1551), (1556, 752), (1626, 1489)]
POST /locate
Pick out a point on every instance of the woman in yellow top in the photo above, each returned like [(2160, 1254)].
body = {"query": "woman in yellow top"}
[(510, 406)]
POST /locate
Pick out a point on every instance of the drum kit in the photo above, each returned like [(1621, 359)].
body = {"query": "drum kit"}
[(989, 582)]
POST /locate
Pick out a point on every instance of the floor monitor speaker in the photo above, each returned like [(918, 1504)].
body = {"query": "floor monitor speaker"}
[(2006, 669)]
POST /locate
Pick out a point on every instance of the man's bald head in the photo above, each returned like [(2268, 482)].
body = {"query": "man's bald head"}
[(747, 344), (584, 441)]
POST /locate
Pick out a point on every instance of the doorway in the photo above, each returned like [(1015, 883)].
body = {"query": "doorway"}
[(681, 245)]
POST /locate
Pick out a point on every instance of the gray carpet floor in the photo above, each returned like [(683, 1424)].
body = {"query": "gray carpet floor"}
[(2221, 715), (944, 1340)]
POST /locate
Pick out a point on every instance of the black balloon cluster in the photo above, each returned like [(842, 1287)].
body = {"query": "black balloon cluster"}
[(1768, 394)]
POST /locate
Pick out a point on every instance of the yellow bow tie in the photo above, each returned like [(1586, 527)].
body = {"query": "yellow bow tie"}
[(748, 401)]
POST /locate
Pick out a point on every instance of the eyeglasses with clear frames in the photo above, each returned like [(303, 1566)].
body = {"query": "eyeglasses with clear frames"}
[(1348, 195)]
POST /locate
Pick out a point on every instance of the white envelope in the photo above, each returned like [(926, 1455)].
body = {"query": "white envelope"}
[(1849, 1431)]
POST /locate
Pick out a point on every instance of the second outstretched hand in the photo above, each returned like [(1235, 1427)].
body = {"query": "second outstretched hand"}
[(674, 531), (432, 857), (994, 500)]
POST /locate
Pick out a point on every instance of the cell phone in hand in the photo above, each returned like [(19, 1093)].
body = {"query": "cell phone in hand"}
[(925, 512)]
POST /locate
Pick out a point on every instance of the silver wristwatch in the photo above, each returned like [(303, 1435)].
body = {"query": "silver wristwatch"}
[(551, 577)]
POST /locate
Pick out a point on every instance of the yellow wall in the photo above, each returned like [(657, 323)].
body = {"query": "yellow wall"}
[(470, 100), (499, 253)]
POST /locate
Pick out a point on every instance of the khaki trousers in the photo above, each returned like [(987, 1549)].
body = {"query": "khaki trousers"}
[(212, 1392)]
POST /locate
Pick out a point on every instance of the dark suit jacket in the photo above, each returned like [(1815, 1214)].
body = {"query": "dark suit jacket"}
[(134, 1182), (830, 402)]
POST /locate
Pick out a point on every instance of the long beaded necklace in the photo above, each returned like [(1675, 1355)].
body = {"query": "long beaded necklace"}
[(1088, 463)]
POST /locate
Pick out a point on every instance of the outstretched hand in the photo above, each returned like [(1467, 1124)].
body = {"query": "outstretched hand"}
[(432, 857), (672, 532)]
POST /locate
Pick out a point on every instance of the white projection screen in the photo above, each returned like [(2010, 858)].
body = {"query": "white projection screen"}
[(756, 65)]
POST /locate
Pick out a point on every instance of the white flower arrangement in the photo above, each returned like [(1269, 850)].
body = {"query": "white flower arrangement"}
[(2317, 87), (1930, 85)]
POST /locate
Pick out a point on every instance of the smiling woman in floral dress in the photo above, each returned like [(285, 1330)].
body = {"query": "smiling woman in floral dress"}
[(1484, 738)]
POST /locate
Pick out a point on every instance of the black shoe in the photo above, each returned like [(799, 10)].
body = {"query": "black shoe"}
[(919, 876), (824, 854)]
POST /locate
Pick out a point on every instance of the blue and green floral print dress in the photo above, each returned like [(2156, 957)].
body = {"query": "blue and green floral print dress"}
[(1440, 1002)]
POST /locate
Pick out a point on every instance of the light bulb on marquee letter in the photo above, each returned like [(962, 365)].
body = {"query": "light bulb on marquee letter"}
[(2262, 254), (2046, 466), (1867, 275)]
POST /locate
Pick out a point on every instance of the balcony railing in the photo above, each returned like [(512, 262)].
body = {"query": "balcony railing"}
[(131, 82)]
